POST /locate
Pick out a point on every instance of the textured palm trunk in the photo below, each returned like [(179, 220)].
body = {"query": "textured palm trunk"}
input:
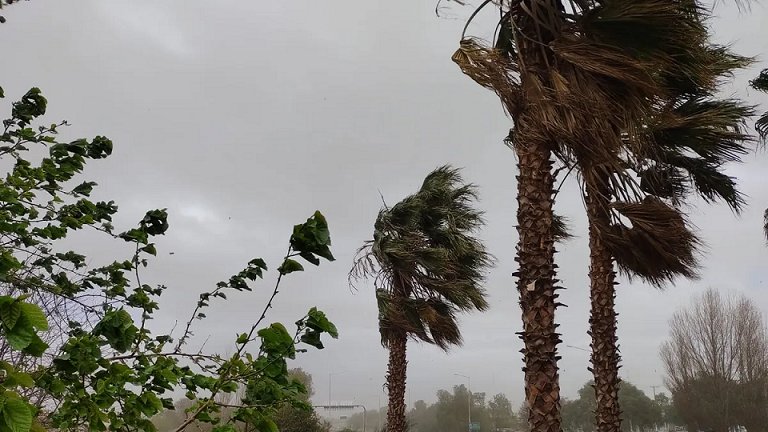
[(602, 321), (535, 188), (396, 373), (536, 284)]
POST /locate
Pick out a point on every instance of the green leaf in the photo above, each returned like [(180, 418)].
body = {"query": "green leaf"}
[(268, 425), (155, 222), (290, 266), (17, 415), (2, 93), (84, 188), (7, 263), (37, 347), (312, 337), (312, 237), (20, 338), (310, 257), (258, 262), (135, 235), (10, 313), (35, 316), (317, 320), (276, 339), (243, 338), (23, 379), (150, 249)]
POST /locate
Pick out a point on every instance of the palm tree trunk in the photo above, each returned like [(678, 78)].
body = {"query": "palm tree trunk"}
[(602, 321), (396, 373), (536, 284), (535, 188)]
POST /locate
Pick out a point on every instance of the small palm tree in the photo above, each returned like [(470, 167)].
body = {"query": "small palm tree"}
[(427, 266)]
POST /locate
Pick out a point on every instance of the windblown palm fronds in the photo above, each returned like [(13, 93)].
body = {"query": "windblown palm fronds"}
[(624, 91), (426, 264), (761, 83)]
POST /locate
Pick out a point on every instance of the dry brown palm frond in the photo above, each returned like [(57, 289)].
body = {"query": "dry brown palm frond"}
[(657, 246), (606, 61), (429, 320), (492, 69)]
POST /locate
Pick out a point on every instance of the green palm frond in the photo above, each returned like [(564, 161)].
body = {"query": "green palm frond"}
[(693, 141), (644, 28), (761, 83), (560, 229), (426, 262), (706, 65), (765, 224)]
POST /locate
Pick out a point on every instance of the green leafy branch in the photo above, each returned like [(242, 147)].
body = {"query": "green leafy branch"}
[(110, 371)]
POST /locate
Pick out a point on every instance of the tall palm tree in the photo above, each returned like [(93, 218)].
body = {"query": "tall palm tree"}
[(581, 79), (427, 266), (695, 136)]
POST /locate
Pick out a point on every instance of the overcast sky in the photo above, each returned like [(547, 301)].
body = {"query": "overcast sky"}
[(243, 117)]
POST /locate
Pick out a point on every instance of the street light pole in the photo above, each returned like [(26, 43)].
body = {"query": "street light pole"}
[(330, 375), (469, 405)]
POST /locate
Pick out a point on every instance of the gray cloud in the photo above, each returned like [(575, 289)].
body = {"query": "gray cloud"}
[(244, 117)]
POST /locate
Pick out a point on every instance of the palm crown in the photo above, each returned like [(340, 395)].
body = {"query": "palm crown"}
[(426, 263)]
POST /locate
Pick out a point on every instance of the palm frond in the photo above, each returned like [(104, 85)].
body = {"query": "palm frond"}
[(426, 263), (765, 224), (693, 140), (761, 126), (560, 229), (664, 181), (644, 28), (702, 69), (492, 68), (761, 83), (709, 180), (657, 246)]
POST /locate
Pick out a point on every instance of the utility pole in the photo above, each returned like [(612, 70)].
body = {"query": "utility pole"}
[(469, 405), (330, 375), (654, 387)]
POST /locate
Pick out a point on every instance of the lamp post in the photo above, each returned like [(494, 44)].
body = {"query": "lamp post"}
[(330, 382), (469, 405)]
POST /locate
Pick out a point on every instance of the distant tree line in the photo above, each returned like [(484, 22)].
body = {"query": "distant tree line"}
[(448, 414), (638, 410)]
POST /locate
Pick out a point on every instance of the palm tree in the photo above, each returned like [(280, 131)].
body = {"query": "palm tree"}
[(427, 266), (582, 80), (695, 136)]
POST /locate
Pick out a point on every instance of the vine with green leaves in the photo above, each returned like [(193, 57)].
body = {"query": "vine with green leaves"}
[(108, 371)]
